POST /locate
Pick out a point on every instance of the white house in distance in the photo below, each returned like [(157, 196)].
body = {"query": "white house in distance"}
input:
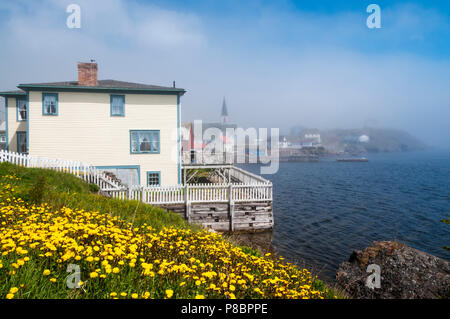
[(129, 129)]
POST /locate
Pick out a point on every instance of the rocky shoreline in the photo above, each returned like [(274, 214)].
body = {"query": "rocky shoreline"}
[(404, 272), (391, 270)]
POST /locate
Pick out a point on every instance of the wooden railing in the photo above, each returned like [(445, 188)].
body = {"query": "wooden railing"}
[(246, 177), (86, 172), (198, 193), (206, 158), (251, 188)]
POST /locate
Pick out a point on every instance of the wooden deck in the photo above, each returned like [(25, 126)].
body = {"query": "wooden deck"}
[(221, 207)]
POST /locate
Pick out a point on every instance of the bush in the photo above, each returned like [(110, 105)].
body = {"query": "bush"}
[(38, 190), (93, 188)]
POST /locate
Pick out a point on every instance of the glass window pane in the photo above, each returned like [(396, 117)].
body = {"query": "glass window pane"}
[(21, 142), (155, 141), (153, 179), (50, 104), (21, 109), (144, 141), (117, 105), (134, 142)]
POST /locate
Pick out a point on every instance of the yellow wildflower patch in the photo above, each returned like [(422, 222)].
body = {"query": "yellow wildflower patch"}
[(117, 259)]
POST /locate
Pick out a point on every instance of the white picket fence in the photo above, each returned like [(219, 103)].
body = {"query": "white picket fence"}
[(198, 193), (84, 171), (253, 188)]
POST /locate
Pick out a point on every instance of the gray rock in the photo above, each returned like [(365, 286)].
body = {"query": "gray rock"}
[(405, 272)]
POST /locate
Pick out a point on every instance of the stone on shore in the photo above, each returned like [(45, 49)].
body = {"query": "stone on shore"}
[(405, 273)]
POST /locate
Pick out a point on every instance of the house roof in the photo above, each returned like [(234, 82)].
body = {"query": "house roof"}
[(13, 93), (103, 86)]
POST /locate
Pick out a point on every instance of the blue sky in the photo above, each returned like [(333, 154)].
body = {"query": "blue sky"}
[(427, 19), (279, 63)]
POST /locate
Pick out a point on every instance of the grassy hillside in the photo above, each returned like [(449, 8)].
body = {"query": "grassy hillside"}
[(381, 140), (124, 249), (38, 186)]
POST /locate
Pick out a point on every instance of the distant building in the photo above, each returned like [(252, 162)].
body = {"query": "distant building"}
[(190, 145), (312, 139), (364, 138), (296, 143), (284, 143)]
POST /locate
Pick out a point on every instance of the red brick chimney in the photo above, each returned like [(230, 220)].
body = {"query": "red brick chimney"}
[(87, 74)]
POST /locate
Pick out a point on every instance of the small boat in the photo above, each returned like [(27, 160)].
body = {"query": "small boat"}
[(359, 159)]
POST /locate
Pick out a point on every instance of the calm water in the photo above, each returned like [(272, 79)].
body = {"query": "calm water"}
[(323, 211)]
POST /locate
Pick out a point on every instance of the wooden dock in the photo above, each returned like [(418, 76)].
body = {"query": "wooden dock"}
[(249, 216), (221, 207)]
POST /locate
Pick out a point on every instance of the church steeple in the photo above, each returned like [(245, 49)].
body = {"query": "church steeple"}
[(224, 113)]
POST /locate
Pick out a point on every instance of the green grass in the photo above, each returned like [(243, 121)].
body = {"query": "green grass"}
[(62, 189), (37, 186)]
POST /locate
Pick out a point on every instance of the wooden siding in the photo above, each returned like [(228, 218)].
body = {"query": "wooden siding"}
[(84, 130)]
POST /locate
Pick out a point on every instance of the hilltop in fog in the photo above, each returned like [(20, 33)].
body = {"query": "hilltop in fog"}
[(370, 140)]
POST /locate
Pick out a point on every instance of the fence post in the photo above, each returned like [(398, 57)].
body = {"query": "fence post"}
[(231, 206), (187, 203)]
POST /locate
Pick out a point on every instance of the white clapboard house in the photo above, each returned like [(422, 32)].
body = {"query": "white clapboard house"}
[(129, 129)]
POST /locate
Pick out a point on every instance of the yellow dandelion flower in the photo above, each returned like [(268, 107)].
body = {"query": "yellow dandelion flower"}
[(169, 293), (13, 290)]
